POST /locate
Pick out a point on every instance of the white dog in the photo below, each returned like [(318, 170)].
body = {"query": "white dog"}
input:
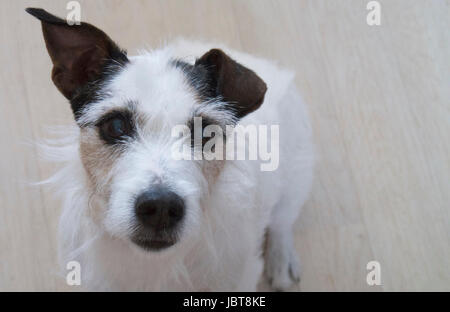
[(134, 217)]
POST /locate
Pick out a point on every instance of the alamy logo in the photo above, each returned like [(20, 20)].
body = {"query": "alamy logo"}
[(374, 16), (73, 277), (374, 276), (216, 142), (74, 14)]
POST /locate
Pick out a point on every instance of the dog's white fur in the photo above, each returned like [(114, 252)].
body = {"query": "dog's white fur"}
[(221, 246)]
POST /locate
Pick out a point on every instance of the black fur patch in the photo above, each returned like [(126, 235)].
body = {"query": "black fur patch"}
[(94, 90), (43, 15), (206, 121), (198, 77), (204, 83)]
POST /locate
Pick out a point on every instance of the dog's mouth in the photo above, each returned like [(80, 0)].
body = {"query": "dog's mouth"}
[(153, 244)]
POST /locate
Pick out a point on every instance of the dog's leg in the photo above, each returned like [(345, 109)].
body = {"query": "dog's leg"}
[(282, 267)]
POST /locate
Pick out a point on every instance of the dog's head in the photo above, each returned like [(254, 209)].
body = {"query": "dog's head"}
[(126, 109)]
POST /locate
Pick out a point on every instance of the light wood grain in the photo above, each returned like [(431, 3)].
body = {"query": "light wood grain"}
[(379, 99)]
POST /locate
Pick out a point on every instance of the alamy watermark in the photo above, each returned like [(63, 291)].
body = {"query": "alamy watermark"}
[(74, 15), (374, 16), (227, 142), (73, 277), (373, 278)]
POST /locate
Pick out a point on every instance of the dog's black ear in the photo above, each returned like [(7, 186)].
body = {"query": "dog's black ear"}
[(236, 84), (78, 52)]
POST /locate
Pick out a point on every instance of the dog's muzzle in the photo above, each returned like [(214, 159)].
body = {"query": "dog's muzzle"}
[(159, 212)]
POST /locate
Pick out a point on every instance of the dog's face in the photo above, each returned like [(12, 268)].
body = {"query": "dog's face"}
[(126, 109)]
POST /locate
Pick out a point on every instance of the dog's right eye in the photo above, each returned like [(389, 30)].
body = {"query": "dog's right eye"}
[(115, 128)]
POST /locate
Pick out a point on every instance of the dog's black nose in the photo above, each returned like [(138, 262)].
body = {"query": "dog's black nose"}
[(159, 208)]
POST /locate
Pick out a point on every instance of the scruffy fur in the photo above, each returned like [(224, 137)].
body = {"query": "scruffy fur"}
[(233, 209)]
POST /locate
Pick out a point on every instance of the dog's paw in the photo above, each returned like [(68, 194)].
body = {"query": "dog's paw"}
[(282, 271)]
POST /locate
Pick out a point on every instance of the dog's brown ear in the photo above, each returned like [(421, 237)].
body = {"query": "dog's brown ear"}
[(78, 52), (236, 84)]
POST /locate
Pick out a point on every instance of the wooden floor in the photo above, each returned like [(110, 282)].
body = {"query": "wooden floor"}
[(379, 99)]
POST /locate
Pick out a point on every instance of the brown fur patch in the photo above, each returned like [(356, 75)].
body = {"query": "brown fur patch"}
[(97, 158)]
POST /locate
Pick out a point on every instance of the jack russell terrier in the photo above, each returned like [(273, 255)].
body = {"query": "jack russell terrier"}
[(139, 213)]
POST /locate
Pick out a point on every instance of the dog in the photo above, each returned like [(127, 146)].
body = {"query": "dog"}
[(134, 217)]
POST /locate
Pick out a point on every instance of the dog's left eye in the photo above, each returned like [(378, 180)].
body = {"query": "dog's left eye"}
[(115, 128)]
